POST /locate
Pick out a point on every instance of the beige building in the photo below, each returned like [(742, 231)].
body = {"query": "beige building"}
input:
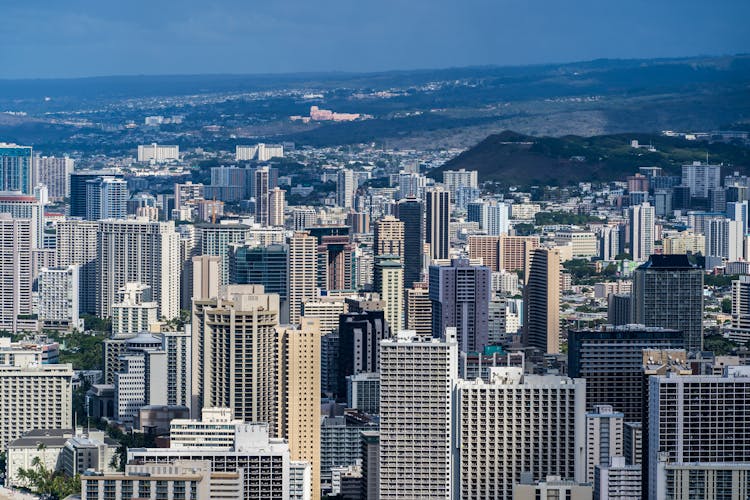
[(389, 237), (276, 205), (583, 242), (299, 394), (206, 276), (389, 283), (684, 242), (419, 309), (303, 271), (326, 310), (513, 251), (542, 300), (236, 363), (487, 249), (553, 487), (34, 396)]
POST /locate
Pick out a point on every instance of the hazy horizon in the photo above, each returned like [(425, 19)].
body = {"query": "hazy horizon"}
[(85, 38)]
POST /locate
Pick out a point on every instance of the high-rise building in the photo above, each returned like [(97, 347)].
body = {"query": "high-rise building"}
[(254, 466), (359, 336), (214, 239), (302, 270), (485, 248), (389, 237), (16, 273), (34, 396), (138, 250), (460, 296), (514, 251), (410, 211), (335, 264), (106, 198), (205, 276), (725, 238), (261, 188), (326, 310), (389, 283), (541, 300), (363, 392), (141, 375), (59, 298), (299, 394), (604, 438), (668, 293), (21, 206), (611, 361), (16, 164), (134, 310), (303, 217), (276, 206), (417, 379), (689, 418), (438, 220), (455, 179), (518, 424), (370, 465), (345, 188), (642, 229), (54, 172), (617, 480), (262, 265), (260, 152), (341, 440), (237, 353), (419, 309), (187, 193), (701, 178), (78, 191)]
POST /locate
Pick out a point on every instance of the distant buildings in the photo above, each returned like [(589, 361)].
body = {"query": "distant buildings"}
[(16, 163), (260, 152), (158, 153)]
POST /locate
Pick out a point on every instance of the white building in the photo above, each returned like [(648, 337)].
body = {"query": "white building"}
[(158, 153), (134, 310), (16, 273), (519, 423), (54, 172), (59, 298), (617, 481), (701, 178), (642, 231), (107, 198), (260, 152), (725, 238), (34, 396), (217, 427), (417, 377), (584, 242), (262, 462), (454, 179), (327, 310), (346, 185), (76, 244), (138, 250), (21, 206), (604, 437)]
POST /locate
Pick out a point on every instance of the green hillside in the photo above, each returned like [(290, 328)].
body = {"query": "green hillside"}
[(510, 158)]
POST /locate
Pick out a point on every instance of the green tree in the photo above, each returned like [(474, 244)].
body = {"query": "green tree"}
[(726, 305), (45, 482)]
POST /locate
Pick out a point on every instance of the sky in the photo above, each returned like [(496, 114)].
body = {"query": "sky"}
[(74, 38)]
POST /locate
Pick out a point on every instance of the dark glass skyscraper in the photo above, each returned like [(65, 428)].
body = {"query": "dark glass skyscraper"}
[(265, 266), (668, 293), (15, 168), (437, 222), (360, 334), (460, 297), (410, 211), (78, 197)]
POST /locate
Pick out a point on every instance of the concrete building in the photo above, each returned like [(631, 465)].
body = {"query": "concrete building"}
[(261, 465), (34, 396), (138, 250), (419, 309), (262, 265), (460, 295), (642, 231), (389, 283), (389, 237), (514, 251), (417, 377), (134, 310), (302, 270), (611, 361), (76, 245), (236, 367), (341, 440), (214, 239), (158, 153), (542, 300), (485, 248), (363, 392), (260, 152), (437, 216), (617, 480), (604, 438), (725, 238), (54, 172), (16, 273), (684, 242), (688, 418), (299, 394), (106, 198), (276, 206), (455, 179), (359, 338), (518, 424), (370, 465), (346, 185), (701, 178), (668, 293), (552, 487), (583, 242), (326, 310), (59, 298), (632, 442)]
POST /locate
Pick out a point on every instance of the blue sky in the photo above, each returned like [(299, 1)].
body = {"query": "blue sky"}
[(53, 38)]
